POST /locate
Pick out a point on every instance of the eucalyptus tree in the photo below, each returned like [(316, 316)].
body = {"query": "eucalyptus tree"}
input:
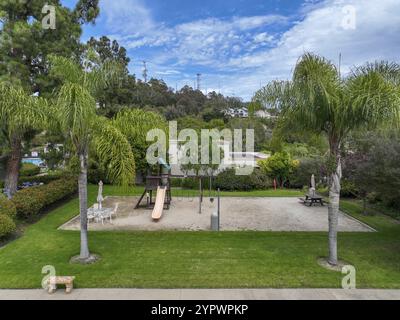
[(319, 100), (74, 111), (20, 114)]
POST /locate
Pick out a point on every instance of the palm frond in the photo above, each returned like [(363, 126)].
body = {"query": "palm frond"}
[(389, 70), (76, 111), (370, 99), (135, 123), (109, 73), (21, 112), (65, 69), (114, 151)]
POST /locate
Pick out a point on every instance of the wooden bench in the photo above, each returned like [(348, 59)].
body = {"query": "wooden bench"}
[(54, 281)]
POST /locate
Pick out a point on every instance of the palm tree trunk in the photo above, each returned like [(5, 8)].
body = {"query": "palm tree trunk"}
[(333, 211), (82, 182), (13, 165)]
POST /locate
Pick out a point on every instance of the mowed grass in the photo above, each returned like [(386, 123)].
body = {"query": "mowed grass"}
[(201, 259)]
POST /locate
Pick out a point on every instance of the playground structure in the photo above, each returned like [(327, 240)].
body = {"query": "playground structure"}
[(162, 184)]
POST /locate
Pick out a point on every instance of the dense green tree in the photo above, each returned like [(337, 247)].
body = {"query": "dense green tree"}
[(20, 114), (25, 44), (371, 165), (118, 94), (279, 166)]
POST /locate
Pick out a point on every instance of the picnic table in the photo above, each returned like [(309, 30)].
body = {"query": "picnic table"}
[(310, 200), (97, 214)]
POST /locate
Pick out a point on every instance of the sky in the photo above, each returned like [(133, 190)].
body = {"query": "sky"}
[(240, 45)]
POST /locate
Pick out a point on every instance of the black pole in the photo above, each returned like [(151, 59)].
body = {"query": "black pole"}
[(219, 209), (201, 196)]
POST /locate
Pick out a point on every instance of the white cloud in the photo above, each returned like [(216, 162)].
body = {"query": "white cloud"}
[(126, 16), (376, 37), (244, 55)]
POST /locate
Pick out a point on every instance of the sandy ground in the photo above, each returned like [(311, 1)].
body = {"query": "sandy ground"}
[(261, 214)]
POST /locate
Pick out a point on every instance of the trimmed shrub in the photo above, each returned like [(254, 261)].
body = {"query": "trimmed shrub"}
[(229, 181), (7, 208), (29, 169), (7, 225), (30, 201), (40, 179)]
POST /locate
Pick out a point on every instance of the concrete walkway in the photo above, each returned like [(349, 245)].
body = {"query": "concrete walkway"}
[(203, 294)]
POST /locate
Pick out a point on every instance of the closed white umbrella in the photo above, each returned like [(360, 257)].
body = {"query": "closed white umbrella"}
[(100, 198), (312, 189), (312, 181)]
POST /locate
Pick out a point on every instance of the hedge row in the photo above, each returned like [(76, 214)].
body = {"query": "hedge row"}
[(227, 181), (29, 202), (7, 215), (40, 179), (29, 169)]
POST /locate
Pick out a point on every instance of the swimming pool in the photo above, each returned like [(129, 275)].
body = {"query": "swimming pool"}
[(36, 161)]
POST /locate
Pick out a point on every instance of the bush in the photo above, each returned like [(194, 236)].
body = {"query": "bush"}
[(301, 176), (40, 179), (29, 169), (373, 197), (348, 189), (97, 173), (280, 166), (29, 202), (229, 181), (7, 225), (7, 208)]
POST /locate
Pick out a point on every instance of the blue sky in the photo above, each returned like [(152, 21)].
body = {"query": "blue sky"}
[(239, 45)]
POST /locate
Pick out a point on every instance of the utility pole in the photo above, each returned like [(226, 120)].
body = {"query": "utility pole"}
[(145, 71)]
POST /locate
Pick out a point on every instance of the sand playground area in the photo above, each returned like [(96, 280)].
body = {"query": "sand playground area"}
[(237, 214)]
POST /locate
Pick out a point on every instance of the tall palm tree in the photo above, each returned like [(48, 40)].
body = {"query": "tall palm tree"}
[(20, 113), (74, 111), (318, 100)]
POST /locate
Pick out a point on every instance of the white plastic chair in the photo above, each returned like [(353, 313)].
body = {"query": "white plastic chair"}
[(114, 212), (91, 214)]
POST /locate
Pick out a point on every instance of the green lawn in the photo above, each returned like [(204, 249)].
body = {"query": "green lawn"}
[(201, 259)]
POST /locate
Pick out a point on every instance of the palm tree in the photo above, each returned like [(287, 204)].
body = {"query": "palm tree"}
[(75, 113), (20, 114), (318, 100)]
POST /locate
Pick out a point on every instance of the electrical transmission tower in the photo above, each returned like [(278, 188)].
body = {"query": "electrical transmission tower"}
[(145, 71), (199, 81)]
